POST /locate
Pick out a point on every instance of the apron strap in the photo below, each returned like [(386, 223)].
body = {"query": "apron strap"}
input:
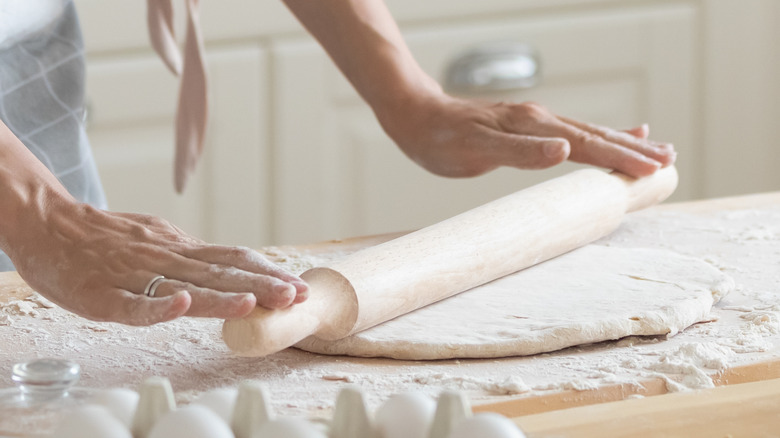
[(192, 110)]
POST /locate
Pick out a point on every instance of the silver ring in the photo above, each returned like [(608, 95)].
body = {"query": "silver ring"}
[(151, 288)]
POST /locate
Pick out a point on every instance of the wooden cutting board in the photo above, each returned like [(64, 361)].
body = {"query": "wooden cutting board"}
[(765, 369), (743, 410)]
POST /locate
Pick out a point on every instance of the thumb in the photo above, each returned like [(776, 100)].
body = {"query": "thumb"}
[(138, 310), (530, 152)]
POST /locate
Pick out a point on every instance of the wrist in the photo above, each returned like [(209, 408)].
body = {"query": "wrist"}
[(401, 90), (405, 103), (28, 193), (413, 114), (29, 210)]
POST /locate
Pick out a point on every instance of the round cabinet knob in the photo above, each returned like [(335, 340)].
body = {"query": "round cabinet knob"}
[(494, 67)]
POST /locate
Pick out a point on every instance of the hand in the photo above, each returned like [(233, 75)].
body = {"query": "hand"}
[(461, 138), (97, 264)]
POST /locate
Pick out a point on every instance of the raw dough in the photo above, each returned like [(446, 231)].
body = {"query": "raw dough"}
[(593, 294)]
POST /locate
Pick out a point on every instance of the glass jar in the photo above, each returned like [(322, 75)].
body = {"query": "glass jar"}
[(45, 390)]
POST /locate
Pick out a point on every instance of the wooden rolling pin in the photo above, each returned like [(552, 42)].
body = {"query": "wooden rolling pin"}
[(382, 282)]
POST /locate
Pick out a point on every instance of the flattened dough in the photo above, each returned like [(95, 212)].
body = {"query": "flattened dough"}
[(592, 294)]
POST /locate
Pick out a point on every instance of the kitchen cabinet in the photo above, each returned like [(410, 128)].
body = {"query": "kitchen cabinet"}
[(130, 123)]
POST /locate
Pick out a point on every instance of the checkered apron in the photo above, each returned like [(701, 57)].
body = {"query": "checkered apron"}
[(42, 102)]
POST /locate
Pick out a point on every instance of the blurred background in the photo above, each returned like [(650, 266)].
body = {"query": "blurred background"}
[(294, 156)]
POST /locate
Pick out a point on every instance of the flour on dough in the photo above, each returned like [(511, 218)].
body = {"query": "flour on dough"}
[(592, 294)]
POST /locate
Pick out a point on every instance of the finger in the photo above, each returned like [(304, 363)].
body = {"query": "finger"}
[(249, 260), (271, 292), (660, 152), (118, 305), (524, 151), (240, 257), (210, 303), (593, 149)]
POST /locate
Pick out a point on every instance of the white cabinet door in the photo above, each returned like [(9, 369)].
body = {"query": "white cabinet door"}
[(131, 122), (741, 95), (338, 175)]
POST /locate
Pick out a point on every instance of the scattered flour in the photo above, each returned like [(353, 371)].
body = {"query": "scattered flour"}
[(26, 307), (512, 385), (689, 366), (761, 322)]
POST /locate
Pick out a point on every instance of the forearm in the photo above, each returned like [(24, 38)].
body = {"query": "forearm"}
[(27, 189), (363, 40)]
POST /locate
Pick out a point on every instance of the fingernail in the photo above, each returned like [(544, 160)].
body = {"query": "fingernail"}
[(652, 162), (301, 297), (183, 296), (246, 304), (283, 295), (300, 286), (552, 150), (284, 288)]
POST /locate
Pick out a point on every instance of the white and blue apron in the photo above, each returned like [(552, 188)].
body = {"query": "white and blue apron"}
[(42, 74)]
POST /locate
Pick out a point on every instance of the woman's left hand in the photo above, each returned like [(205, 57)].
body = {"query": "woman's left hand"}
[(460, 138)]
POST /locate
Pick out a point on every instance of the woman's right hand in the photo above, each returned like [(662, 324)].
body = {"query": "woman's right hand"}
[(97, 264)]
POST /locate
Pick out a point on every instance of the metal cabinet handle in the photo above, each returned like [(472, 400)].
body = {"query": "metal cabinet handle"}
[(496, 66)]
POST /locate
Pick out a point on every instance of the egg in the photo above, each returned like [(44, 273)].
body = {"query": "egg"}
[(120, 401), (91, 421), (222, 401), (289, 428), (486, 425), (193, 421), (405, 416)]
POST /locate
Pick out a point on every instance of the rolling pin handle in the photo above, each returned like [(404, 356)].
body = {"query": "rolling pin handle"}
[(330, 313), (650, 190)]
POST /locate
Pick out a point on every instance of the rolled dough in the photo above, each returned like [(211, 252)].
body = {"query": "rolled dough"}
[(592, 294)]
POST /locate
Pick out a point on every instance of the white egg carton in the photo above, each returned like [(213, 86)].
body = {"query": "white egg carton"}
[(245, 413)]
